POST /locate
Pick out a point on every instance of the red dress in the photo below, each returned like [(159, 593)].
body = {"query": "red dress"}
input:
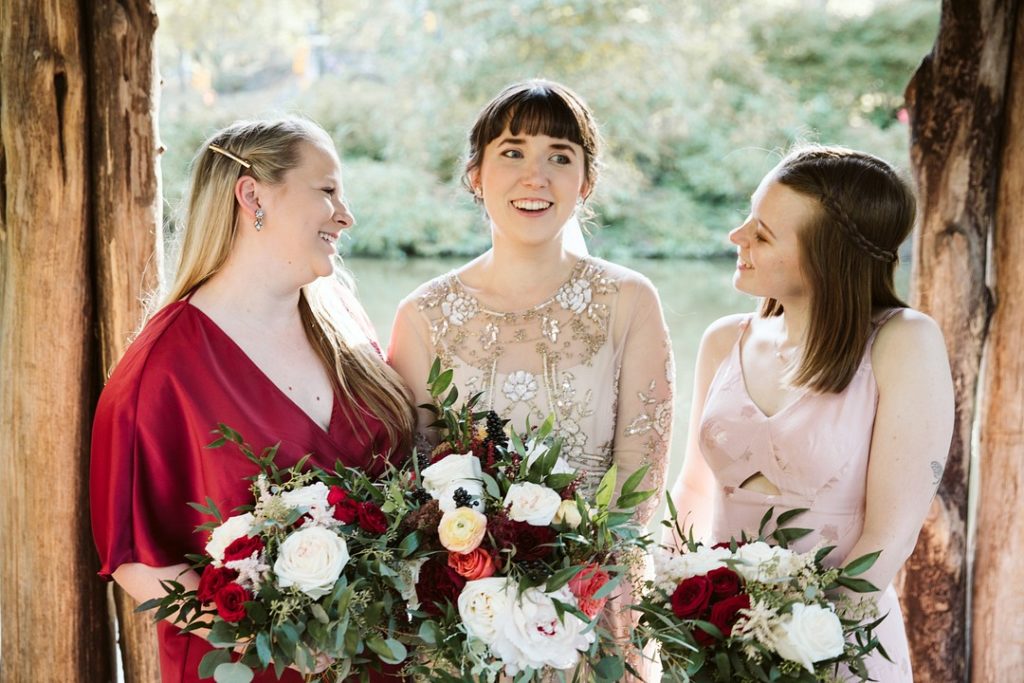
[(177, 380)]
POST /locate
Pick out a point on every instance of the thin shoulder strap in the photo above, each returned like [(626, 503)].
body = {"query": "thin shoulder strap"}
[(882, 320)]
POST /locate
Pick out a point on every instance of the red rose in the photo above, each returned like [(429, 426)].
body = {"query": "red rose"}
[(212, 580), (345, 509), (530, 542), (438, 583), (585, 584), (725, 583), (242, 548), (371, 518), (230, 601), (725, 614), (691, 597)]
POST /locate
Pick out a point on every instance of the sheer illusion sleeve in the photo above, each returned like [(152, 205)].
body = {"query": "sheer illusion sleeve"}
[(643, 421)]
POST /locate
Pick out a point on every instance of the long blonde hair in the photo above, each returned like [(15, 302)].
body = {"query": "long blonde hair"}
[(365, 383)]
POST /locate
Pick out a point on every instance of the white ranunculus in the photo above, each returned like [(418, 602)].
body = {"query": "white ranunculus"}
[(532, 635), (532, 503), (408, 577), (483, 604), (452, 472), (311, 559), (232, 529), (810, 634), (762, 562), (307, 497)]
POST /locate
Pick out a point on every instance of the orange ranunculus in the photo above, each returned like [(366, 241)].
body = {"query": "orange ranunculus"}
[(476, 564)]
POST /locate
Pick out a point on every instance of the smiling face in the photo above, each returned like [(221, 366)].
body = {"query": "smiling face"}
[(769, 261), (306, 213), (530, 185)]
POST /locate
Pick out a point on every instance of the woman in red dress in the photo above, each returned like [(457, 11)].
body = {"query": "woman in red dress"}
[(258, 331)]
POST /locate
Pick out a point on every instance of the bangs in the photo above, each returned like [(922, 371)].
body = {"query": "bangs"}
[(537, 111)]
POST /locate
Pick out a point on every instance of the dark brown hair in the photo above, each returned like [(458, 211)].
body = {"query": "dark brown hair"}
[(536, 107), (848, 254)]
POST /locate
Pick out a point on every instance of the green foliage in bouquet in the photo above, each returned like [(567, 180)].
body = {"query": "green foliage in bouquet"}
[(751, 611), (498, 531), (261, 597)]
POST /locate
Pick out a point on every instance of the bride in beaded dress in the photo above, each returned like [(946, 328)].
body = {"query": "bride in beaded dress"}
[(538, 327)]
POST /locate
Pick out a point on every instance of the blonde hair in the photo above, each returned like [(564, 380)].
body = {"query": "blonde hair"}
[(365, 383)]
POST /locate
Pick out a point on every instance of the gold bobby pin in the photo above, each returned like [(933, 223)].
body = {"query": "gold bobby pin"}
[(220, 150)]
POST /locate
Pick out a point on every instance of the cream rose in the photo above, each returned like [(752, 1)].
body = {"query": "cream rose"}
[(220, 538), (810, 634), (462, 529), (311, 559), (532, 503), (532, 635), (483, 604), (408, 577), (451, 473), (568, 514)]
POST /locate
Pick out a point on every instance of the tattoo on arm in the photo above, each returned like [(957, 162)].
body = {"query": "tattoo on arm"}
[(937, 472)]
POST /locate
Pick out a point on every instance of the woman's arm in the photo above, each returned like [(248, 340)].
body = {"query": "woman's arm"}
[(910, 442), (693, 491), (410, 353)]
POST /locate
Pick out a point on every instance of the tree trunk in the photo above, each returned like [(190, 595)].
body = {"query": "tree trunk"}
[(127, 220), (956, 102), (998, 624), (53, 603)]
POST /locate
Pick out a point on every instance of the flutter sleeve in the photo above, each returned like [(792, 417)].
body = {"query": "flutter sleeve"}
[(142, 471)]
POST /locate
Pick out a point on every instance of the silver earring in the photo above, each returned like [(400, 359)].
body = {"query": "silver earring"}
[(479, 193), (258, 223)]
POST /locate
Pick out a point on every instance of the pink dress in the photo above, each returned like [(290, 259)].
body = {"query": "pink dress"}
[(815, 451)]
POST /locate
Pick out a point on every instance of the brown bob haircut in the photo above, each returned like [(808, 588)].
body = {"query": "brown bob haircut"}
[(848, 253), (536, 107)]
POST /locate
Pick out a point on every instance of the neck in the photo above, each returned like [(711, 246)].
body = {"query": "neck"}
[(249, 291), (542, 265), (794, 322)]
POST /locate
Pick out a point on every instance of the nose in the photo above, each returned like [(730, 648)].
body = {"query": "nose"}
[(343, 216), (739, 235), (534, 176)]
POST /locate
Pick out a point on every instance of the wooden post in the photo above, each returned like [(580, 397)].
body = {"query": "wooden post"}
[(956, 102), (997, 631), (127, 224), (53, 605)]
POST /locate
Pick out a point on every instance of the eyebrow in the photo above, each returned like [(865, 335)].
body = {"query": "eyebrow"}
[(560, 146)]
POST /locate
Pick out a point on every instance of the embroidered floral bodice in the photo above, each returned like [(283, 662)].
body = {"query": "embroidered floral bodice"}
[(595, 354)]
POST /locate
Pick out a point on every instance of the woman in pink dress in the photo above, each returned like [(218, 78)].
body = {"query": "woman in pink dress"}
[(257, 331), (835, 396)]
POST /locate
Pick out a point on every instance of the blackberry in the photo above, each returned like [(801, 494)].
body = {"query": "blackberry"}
[(420, 496), (462, 498), (496, 429), (423, 460), (536, 570)]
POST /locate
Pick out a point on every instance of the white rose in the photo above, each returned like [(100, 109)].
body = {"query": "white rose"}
[(810, 634), (483, 604), (307, 497), (673, 567), (232, 529), (452, 472), (762, 562), (311, 559), (408, 577), (568, 514), (532, 635), (532, 503)]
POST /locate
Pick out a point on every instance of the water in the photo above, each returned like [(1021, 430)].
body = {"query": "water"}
[(693, 295)]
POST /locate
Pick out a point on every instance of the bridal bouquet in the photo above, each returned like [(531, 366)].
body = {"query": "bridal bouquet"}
[(505, 566), (300, 577), (751, 611)]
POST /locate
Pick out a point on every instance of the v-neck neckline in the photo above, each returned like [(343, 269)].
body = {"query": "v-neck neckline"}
[(327, 432), (738, 351)]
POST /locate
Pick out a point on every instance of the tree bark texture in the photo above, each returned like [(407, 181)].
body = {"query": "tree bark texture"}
[(997, 655), (53, 604), (126, 220), (956, 101)]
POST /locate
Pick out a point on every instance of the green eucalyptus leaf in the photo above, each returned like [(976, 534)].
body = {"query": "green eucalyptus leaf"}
[(211, 660), (232, 672)]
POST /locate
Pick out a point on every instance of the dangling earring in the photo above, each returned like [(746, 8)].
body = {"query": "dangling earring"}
[(258, 223), (478, 191)]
